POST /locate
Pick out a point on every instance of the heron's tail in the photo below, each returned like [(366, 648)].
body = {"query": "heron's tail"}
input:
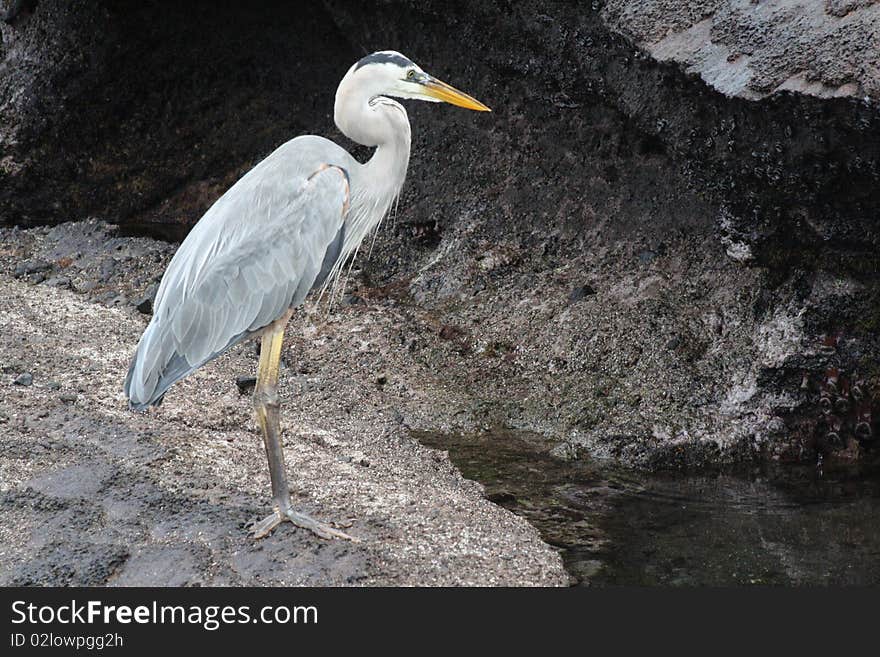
[(155, 367)]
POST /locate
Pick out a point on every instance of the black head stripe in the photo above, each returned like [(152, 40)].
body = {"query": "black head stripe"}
[(384, 58)]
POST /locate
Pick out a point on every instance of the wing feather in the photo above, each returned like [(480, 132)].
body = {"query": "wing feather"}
[(256, 252)]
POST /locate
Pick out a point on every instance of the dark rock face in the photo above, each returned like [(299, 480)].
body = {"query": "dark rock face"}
[(795, 177), (789, 184), (735, 196), (147, 111)]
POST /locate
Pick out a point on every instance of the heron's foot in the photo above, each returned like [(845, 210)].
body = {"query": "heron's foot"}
[(265, 527)]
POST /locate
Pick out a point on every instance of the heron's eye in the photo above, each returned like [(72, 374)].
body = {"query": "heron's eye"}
[(411, 74)]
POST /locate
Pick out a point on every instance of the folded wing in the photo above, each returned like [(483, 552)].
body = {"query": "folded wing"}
[(257, 252)]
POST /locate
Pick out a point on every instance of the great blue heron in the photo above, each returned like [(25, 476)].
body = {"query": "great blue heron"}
[(284, 229)]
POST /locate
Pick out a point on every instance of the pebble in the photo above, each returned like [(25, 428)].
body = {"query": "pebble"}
[(580, 292), (12, 366), (24, 379), (107, 269), (245, 384), (31, 267), (776, 425), (450, 332), (53, 385), (646, 256), (356, 459), (58, 281), (145, 303)]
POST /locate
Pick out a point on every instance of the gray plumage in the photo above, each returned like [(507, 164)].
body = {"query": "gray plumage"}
[(285, 228), (228, 281)]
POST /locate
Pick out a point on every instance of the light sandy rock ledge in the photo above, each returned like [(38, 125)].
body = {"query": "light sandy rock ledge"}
[(93, 494)]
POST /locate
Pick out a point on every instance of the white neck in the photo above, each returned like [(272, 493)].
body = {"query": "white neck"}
[(379, 121), (371, 119)]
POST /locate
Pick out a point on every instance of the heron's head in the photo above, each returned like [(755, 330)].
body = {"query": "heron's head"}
[(388, 73)]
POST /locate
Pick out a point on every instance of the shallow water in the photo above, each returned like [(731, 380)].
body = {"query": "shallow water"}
[(772, 526)]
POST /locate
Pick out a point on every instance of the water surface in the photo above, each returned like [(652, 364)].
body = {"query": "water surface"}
[(776, 525)]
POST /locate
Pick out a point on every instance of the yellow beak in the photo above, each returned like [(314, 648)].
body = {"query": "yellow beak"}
[(448, 94)]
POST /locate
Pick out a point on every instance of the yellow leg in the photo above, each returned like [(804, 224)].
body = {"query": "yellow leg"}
[(267, 407)]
